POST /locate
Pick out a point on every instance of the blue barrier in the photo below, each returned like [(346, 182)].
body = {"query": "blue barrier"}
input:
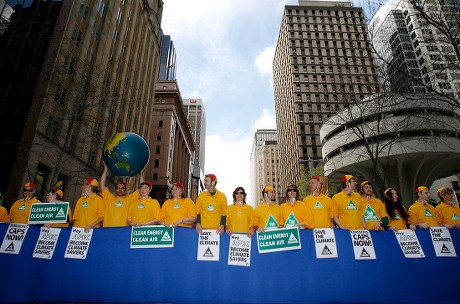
[(112, 272)]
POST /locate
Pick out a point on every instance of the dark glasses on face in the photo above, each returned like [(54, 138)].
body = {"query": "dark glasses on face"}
[(291, 190), (28, 190), (239, 193)]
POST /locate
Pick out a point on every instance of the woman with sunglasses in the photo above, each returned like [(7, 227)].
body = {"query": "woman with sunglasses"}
[(239, 215), (19, 212), (294, 212)]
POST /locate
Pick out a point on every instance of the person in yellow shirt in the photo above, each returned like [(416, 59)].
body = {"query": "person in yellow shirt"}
[(117, 205), (19, 211), (267, 215), (4, 216), (89, 209), (319, 204), (422, 214), (55, 196), (211, 207), (239, 214), (448, 211), (145, 210), (347, 205), (373, 210), (178, 210), (397, 213), (295, 212)]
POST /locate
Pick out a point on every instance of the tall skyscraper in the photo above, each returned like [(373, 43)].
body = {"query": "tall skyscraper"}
[(83, 71), (322, 64), (415, 53), (196, 115), (264, 163), (167, 70)]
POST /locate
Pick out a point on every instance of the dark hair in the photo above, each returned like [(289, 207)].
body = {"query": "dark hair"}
[(292, 186), (59, 198), (391, 206), (236, 190)]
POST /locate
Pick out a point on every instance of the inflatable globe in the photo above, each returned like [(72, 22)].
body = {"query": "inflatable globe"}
[(126, 154)]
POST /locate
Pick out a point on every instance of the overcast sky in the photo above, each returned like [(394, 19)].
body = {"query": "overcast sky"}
[(224, 55)]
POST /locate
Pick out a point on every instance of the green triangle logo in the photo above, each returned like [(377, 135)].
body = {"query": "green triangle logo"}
[(118, 204), (370, 215), (166, 237), (271, 223), (291, 221), (141, 206), (22, 207), (176, 206), (428, 213), (455, 217), (397, 216), (210, 207), (318, 205), (60, 213), (292, 239), (85, 204), (351, 206)]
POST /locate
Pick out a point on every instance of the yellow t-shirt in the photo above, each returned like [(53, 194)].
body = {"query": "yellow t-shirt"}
[(116, 208), (3, 214), (398, 222), (239, 218), (63, 225), (88, 210), (372, 210), (448, 214), (144, 210), (211, 208), (173, 211), (347, 209), (423, 213), (321, 209), (19, 212), (295, 214), (267, 217)]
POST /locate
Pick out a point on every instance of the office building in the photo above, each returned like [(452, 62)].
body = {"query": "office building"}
[(322, 64), (167, 70)]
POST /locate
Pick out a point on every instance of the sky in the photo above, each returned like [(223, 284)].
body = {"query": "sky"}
[(224, 53)]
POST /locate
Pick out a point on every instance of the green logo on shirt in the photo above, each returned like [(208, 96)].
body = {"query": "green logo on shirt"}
[(397, 216), (85, 204), (141, 206), (428, 213), (291, 221), (351, 206), (271, 223), (22, 207), (176, 206), (118, 204), (370, 214), (455, 217), (318, 205), (210, 207)]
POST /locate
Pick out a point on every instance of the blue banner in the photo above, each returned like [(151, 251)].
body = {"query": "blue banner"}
[(112, 272)]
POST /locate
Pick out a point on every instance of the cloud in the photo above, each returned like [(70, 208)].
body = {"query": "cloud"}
[(264, 61), (266, 121)]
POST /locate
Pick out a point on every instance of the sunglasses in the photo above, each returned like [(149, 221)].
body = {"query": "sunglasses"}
[(240, 193), (291, 190), (28, 190)]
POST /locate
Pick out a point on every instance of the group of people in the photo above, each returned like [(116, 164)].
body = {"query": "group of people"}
[(347, 209)]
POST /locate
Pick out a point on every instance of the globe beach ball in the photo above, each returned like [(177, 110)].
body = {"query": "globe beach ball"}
[(126, 154)]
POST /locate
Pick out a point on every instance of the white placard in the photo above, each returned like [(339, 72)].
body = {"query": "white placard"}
[(362, 245), (46, 243), (409, 243), (325, 244), (78, 245), (14, 238), (442, 242), (208, 246), (239, 250)]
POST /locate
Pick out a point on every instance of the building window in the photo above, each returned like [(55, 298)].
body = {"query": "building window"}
[(160, 124), (52, 129), (159, 136), (155, 176), (157, 149), (156, 163)]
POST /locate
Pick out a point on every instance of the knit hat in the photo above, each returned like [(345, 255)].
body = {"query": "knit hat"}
[(59, 192), (366, 183)]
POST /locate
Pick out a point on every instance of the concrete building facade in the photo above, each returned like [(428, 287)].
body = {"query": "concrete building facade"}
[(322, 63)]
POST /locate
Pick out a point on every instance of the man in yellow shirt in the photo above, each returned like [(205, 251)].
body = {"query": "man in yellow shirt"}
[(347, 205), (319, 205), (448, 211), (19, 212), (211, 207), (373, 210), (145, 210), (268, 214), (422, 214)]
